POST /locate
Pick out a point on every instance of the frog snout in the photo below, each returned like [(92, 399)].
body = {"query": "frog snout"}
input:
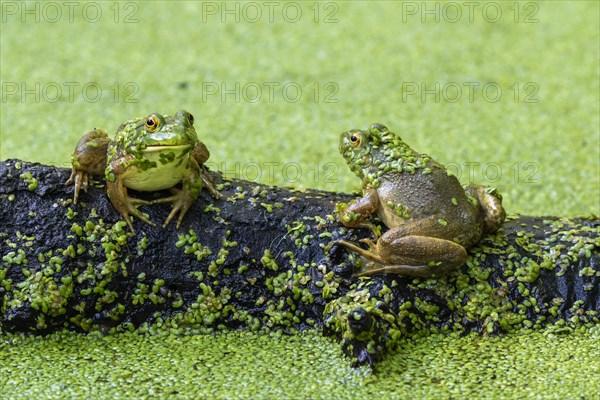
[(343, 140), (184, 118)]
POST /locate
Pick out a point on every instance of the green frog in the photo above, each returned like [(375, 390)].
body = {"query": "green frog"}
[(431, 217), (154, 152)]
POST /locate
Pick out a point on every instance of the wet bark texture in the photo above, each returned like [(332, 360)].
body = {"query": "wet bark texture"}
[(263, 258)]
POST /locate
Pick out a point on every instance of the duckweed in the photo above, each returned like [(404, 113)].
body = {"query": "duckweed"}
[(307, 365)]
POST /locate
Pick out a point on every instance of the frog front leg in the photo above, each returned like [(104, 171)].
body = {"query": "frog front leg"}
[(409, 251), (117, 193), (88, 158), (355, 214), (183, 198)]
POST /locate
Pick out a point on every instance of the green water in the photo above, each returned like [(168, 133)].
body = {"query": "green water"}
[(245, 365), (270, 99)]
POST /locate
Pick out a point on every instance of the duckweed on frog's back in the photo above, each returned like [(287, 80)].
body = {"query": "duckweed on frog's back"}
[(149, 153), (430, 216)]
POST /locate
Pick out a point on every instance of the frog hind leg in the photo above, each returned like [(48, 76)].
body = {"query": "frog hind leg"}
[(88, 158), (370, 254), (125, 205), (413, 255), (371, 268)]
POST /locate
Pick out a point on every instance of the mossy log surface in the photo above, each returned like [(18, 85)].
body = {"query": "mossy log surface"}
[(263, 259)]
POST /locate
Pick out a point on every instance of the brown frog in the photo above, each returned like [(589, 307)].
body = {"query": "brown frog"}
[(431, 217)]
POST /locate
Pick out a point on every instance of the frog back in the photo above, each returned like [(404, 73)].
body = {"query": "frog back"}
[(435, 195)]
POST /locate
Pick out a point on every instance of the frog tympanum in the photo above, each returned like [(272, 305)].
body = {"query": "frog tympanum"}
[(149, 153), (431, 217)]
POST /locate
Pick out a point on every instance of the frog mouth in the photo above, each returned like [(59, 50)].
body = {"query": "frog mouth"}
[(168, 155), (168, 152), (155, 147)]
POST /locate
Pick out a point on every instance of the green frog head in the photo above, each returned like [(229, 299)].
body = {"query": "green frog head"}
[(143, 133), (375, 152)]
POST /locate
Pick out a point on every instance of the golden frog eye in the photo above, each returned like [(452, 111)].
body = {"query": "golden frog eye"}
[(151, 123), (355, 139)]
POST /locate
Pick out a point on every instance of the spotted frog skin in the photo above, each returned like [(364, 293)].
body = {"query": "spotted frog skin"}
[(431, 217), (154, 152)]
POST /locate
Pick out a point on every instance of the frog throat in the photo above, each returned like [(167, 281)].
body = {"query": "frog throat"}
[(388, 153)]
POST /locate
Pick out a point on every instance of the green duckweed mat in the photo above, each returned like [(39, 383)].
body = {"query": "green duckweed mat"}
[(244, 365), (504, 93)]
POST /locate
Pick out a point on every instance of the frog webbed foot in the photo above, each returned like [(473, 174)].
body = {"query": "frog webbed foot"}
[(130, 208), (411, 255), (81, 180), (126, 205), (372, 246), (208, 183), (182, 201), (89, 158), (370, 254)]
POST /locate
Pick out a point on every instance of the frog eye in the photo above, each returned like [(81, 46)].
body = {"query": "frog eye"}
[(355, 139), (151, 123), (190, 119)]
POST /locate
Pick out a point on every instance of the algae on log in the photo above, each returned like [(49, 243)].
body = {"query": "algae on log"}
[(262, 258)]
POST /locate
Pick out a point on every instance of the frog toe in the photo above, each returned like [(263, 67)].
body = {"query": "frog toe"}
[(81, 180), (143, 218), (182, 201), (137, 202), (207, 183), (176, 209), (170, 218), (369, 268), (132, 211), (372, 246), (129, 224)]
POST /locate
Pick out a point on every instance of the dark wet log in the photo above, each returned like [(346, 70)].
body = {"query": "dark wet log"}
[(263, 258)]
